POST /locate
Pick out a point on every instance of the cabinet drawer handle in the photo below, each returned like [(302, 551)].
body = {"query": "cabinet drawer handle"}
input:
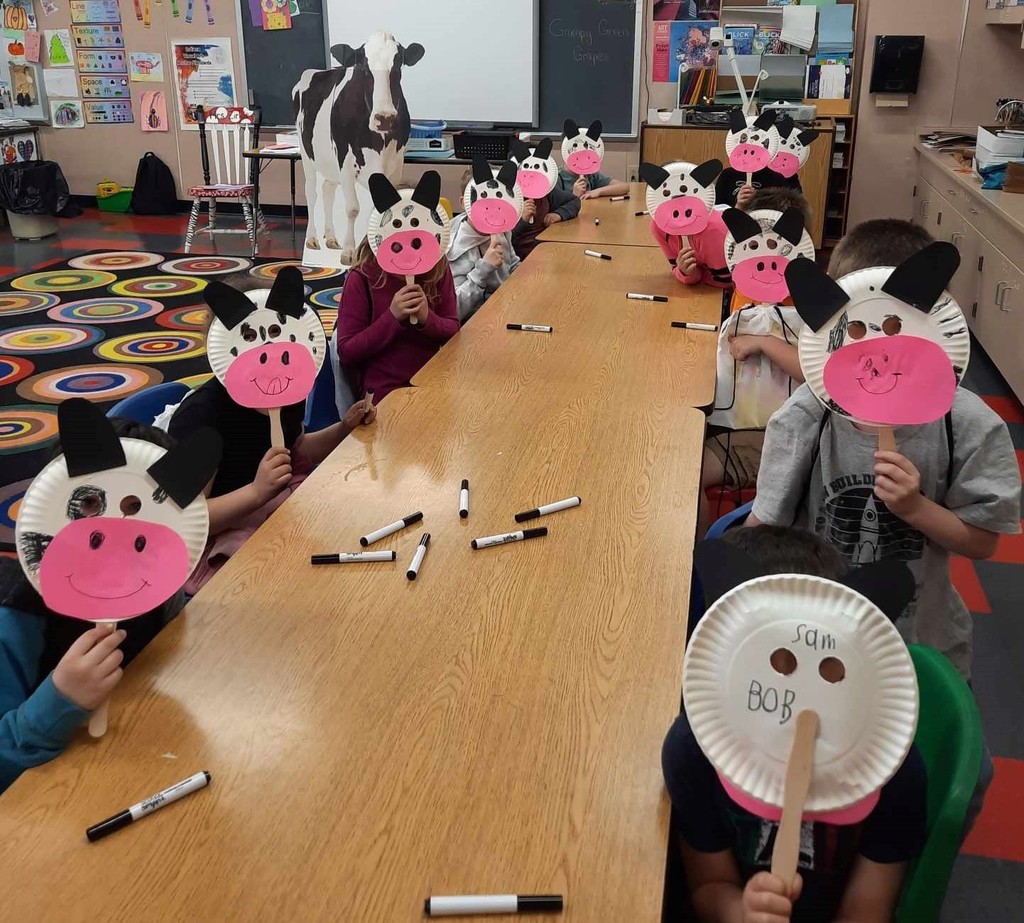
[(1001, 289), (950, 192), (973, 210), (955, 238)]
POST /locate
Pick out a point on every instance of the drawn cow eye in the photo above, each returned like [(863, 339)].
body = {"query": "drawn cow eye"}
[(415, 222), (743, 138), (130, 505), (666, 193), (396, 223), (498, 194), (86, 501), (892, 325), (483, 194), (753, 245), (273, 331), (771, 243), (248, 333), (857, 329)]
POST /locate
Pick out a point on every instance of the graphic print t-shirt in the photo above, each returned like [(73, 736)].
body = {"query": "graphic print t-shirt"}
[(827, 486)]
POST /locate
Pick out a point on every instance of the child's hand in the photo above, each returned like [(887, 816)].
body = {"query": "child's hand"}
[(422, 306), (686, 260), (744, 347), (273, 474), (406, 302), (744, 195), (91, 668), (897, 483), (766, 899), (551, 218), (579, 188), (529, 210), (357, 415), (591, 194), (495, 254)]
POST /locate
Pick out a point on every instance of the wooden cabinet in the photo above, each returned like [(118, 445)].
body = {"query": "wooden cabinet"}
[(999, 321)]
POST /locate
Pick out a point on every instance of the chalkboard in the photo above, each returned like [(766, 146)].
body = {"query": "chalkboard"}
[(588, 63), (275, 60)]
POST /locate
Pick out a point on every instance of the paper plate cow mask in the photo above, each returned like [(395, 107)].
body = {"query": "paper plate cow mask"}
[(760, 246), (680, 196), (266, 348), (582, 150), (538, 171), (886, 347), (493, 201), (751, 143), (794, 147), (772, 647), (112, 528), (408, 230)]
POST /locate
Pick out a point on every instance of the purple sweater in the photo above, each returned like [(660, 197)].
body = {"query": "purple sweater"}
[(373, 344)]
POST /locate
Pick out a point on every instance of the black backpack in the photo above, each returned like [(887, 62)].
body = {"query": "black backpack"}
[(154, 192)]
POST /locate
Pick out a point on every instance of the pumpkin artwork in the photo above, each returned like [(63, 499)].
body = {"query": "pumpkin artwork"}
[(15, 17), (17, 49)]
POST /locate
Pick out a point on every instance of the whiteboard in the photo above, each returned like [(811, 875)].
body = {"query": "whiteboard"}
[(481, 57)]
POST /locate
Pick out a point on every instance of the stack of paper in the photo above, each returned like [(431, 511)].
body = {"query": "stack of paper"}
[(835, 31), (798, 25)]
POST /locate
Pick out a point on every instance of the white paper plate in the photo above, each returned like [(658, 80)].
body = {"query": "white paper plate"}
[(678, 168), (868, 719), (518, 201), (376, 233), (766, 217)]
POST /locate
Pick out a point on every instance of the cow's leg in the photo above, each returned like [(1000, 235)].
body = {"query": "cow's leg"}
[(330, 191), (348, 188), (309, 170)]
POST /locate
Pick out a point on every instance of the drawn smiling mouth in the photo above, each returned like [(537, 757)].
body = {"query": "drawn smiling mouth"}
[(408, 269), (771, 280), (274, 386), (873, 378), (145, 583), (493, 224)]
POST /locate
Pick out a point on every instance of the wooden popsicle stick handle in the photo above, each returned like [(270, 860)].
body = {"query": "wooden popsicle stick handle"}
[(684, 240), (98, 719), (413, 321), (276, 429), (886, 439), (786, 854), (750, 179)]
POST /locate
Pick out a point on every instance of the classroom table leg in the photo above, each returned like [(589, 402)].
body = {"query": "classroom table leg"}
[(255, 180), (291, 165)]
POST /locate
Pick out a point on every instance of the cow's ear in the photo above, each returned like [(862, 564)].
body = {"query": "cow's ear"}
[(543, 149), (520, 151), (807, 136), (721, 567), (413, 54), (707, 172), (287, 295), (87, 438), (383, 194), (816, 295), (186, 468), (890, 585), (652, 174), (228, 304), (428, 190), (737, 121), (507, 175), (740, 225), (481, 169), (765, 120), (345, 55), (570, 129), (594, 132), (785, 125), (790, 225), (921, 279)]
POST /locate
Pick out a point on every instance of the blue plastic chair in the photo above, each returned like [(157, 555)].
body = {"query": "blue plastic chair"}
[(321, 407), (146, 405), (729, 521)]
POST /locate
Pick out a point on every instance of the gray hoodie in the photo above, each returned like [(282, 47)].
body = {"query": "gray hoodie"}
[(475, 279)]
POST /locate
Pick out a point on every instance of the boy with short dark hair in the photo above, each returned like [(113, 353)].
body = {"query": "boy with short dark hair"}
[(880, 242)]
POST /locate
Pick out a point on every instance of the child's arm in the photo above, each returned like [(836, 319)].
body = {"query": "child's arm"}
[(671, 249), (564, 207), (785, 355), (273, 474), (872, 892), (605, 186), (471, 286), (317, 446), (359, 338), (719, 896), (443, 322)]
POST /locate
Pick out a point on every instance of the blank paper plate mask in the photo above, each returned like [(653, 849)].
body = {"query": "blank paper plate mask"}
[(760, 246), (751, 143), (538, 171), (681, 195), (794, 147), (112, 528), (266, 348), (772, 647), (408, 230), (582, 149), (883, 346), (493, 201)]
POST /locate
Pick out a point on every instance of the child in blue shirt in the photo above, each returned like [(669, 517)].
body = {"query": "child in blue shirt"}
[(593, 186)]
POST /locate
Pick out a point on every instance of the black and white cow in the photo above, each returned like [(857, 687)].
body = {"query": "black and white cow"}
[(681, 195), (582, 150), (760, 246), (794, 147), (493, 201), (751, 143), (408, 230), (352, 121), (538, 171)]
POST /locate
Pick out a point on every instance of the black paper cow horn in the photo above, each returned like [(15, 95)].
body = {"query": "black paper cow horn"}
[(383, 194), (707, 172), (785, 125), (807, 136), (345, 55), (790, 225), (507, 175), (287, 295), (888, 584), (543, 149), (481, 169), (413, 54), (87, 438), (721, 567), (186, 468), (428, 190), (740, 225), (816, 295), (570, 129), (652, 174), (594, 132), (228, 304), (737, 120), (765, 120), (520, 151), (921, 279)]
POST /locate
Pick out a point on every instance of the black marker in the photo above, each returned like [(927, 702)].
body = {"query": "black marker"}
[(488, 540), (555, 507), (167, 796), (536, 328), (473, 904), (634, 296), (597, 221), (390, 529), (600, 256), (352, 557), (639, 214), (618, 198), (464, 499), (417, 559), (685, 325)]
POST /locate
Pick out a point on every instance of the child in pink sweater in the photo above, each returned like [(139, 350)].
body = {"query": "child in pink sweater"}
[(377, 347), (704, 259)]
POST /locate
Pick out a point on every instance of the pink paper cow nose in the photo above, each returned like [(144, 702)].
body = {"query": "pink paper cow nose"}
[(408, 253), (786, 164), (272, 375), (763, 279), (682, 215), (534, 183), (583, 163), (750, 158), (493, 216)]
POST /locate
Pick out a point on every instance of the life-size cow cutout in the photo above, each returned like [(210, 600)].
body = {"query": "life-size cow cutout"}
[(352, 121)]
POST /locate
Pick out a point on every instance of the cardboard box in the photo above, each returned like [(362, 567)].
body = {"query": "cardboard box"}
[(659, 117)]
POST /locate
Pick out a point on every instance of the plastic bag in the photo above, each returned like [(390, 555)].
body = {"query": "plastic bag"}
[(36, 187)]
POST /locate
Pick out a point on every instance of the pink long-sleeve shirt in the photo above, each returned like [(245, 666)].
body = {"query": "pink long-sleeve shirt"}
[(372, 342), (709, 248)]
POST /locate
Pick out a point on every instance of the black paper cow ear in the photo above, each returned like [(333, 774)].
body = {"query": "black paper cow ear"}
[(790, 225), (921, 279), (507, 175), (87, 439), (807, 136), (721, 567), (228, 304), (740, 225), (520, 150), (543, 149), (785, 125), (707, 172), (481, 169), (413, 54), (570, 129), (383, 194), (765, 120), (816, 295), (345, 55), (890, 585), (287, 295), (186, 468), (737, 121), (428, 190), (594, 132), (652, 174)]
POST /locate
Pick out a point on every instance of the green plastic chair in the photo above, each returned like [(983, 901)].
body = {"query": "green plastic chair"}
[(950, 740)]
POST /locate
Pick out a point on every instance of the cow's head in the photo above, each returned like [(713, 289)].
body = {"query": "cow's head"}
[(538, 171), (493, 201), (383, 57), (794, 147), (759, 247), (751, 143), (113, 527), (408, 230), (680, 196), (582, 150), (883, 346), (266, 347)]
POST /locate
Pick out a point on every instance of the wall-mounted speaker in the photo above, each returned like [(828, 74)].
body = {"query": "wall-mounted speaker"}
[(897, 64)]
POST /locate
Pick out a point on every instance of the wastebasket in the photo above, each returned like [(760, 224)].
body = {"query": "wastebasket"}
[(34, 194)]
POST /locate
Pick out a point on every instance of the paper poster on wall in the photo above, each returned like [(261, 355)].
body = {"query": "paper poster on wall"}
[(154, 110), (685, 44), (27, 92), (101, 62), (276, 15), (33, 40), (18, 148), (105, 87), (95, 11), (15, 49), (108, 112), (98, 36), (203, 76), (19, 14), (59, 47), (146, 66), (668, 10), (66, 113), (60, 83)]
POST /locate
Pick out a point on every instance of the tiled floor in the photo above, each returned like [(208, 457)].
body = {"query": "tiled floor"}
[(988, 883)]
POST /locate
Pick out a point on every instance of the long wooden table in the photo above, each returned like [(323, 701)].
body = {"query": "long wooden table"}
[(619, 224)]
